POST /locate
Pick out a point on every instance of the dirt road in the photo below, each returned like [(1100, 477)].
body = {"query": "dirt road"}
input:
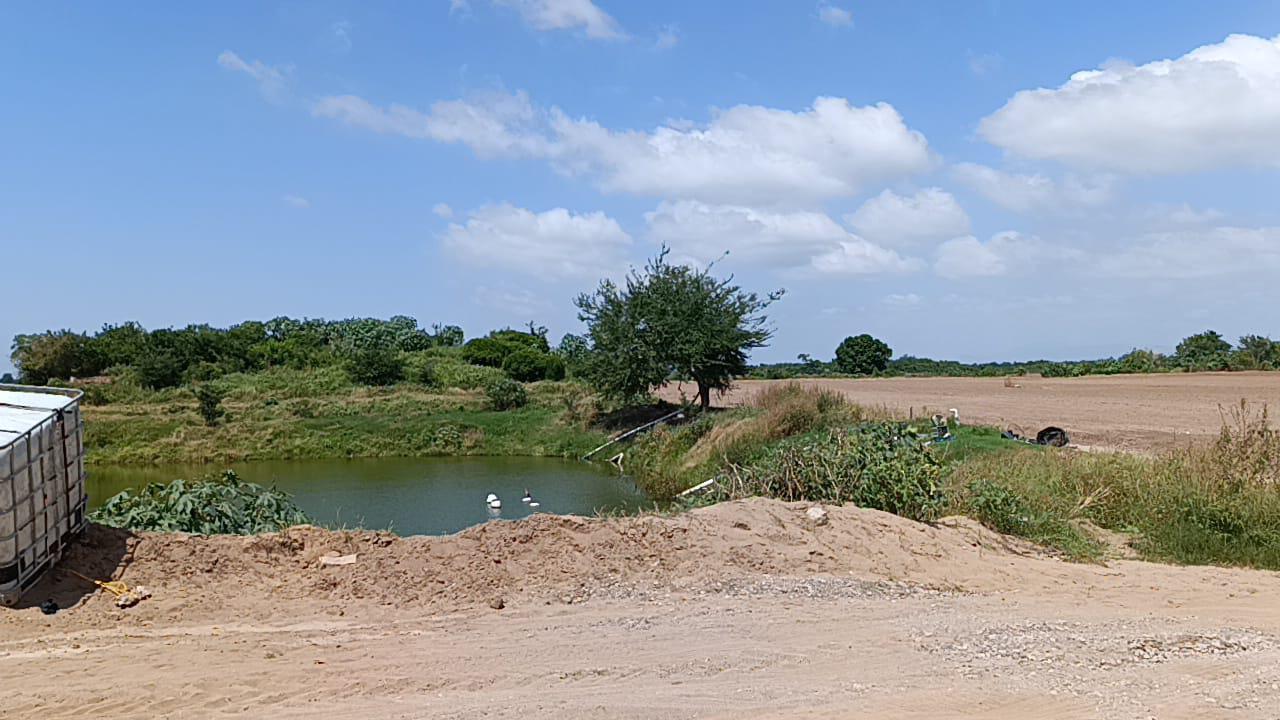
[(1129, 412), (743, 610)]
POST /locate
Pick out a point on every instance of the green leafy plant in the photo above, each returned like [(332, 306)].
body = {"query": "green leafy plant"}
[(505, 394), (375, 366), (876, 465), (862, 355), (222, 505)]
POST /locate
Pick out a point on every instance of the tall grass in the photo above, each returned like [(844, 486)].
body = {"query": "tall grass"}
[(1216, 504)]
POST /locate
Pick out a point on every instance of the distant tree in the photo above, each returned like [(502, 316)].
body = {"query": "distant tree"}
[(121, 344), (447, 335), (671, 319), (7, 378), (862, 355), (575, 350), (62, 354), (1257, 352), (209, 398), (1203, 351)]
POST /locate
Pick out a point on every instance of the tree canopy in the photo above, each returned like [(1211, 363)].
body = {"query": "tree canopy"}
[(667, 320), (862, 355), (1204, 351)]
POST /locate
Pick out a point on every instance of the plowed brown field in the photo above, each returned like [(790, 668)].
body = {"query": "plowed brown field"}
[(1128, 412)]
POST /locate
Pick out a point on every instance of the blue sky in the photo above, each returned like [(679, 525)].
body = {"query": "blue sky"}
[(986, 180)]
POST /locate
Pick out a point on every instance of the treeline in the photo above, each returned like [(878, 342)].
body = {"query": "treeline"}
[(370, 350), (1206, 351)]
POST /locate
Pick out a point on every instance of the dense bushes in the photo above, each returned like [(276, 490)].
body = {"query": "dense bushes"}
[(224, 505), (169, 357), (876, 465), (374, 366), (506, 394)]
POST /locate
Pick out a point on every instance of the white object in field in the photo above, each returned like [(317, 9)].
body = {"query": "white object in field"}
[(42, 492), (700, 486), (493, 502), (955, 415), (817, 515)]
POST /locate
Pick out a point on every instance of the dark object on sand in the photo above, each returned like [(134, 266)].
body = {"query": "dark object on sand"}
[(1051, 436), (49, 607), (1055, 436)]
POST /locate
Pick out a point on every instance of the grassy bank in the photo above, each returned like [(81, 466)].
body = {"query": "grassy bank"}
[(293, 414), (1218, 504)]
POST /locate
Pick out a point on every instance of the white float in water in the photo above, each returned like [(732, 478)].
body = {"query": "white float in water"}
[(493, 502)]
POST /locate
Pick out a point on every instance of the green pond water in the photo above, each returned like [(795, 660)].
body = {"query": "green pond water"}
[(418, 496)]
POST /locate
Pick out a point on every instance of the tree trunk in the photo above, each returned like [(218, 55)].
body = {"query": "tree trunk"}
[(704, 395)]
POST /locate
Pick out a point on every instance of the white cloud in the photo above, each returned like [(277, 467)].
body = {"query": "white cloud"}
[(296, 201), (902, 299), (272, 80), (491, 124), (834, 16), (513, 302), (1217, 106), (555, 243), (341, 35), (668, 37), (1005, 253), (747, 154), (567, 15), (442, 210), (1198, 253), (702, 233), (889, 218), (1036, 192), (459, 7)]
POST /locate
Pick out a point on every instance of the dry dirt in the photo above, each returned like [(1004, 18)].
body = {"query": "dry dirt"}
[(1127, 412), (748, 609)]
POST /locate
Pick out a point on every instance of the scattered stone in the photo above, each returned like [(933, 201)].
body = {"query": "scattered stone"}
[(497, 603), (817, 515)]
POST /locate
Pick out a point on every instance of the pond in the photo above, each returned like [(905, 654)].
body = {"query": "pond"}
[(410, 496)]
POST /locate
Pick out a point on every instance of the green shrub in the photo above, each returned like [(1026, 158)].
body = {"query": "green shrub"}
[(506, 394), (876, 465), (532, 366), (209, 400), (420, 368), (488, 352), (998, 508), (450, 373), (159, 371), (375, 366), (223, 505)]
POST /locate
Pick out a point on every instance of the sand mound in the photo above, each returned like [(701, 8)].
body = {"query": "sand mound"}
[(545, 557)]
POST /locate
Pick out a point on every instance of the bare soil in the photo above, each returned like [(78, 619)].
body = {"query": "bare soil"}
[(1126, 412), (749, 609)]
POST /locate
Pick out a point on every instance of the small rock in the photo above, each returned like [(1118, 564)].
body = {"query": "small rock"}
[(497, 603), (817, 515)]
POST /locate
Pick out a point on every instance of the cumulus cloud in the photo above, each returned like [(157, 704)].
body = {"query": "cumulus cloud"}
[(834, 16), (702, 233), (1035, 192), (491, 124), (889, 218), (1197, 253), (556, 243), (1005, 253), (272, 80), (1217, 106), (747, 154), (442, 210), (566, 15)]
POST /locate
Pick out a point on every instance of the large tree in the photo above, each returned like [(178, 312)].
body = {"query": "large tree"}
[(862, 355), (668, 320), (1204, 351)]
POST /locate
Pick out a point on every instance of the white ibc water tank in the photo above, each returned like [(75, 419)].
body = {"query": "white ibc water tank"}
[(42, 490)]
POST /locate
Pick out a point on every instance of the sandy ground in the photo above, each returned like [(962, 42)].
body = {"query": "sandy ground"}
[(744, 610), (1128, 412)]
